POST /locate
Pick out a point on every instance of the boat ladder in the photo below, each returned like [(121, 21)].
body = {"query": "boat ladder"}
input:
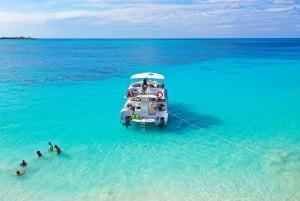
[(144, 106), (143, 124)]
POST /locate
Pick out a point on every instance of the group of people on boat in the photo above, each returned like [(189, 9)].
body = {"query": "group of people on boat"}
[(39, 154), (145, 85)]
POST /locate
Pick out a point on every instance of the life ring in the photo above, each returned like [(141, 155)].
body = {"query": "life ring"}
[(159, 95), (129, 94)]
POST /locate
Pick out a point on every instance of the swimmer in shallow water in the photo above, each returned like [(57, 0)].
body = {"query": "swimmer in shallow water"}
[(23, 164), (19, 173), (39, 154)]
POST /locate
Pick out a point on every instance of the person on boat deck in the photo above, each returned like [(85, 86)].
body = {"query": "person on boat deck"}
[(23, 164), (39, 154), (50, 148), (58, 150), (144, 84), (160, 107)]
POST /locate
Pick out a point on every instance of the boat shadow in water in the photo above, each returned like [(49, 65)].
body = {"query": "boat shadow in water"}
[(182, 119)]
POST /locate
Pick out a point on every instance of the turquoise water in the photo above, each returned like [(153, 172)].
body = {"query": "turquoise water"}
[(233, 132)]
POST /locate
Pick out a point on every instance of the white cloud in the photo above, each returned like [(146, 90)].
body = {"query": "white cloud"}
[(279, 9), (284, 1), (18, 17), (149, 13), (211, 15)]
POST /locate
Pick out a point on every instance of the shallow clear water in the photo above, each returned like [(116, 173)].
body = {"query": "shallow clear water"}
[(233, 132)]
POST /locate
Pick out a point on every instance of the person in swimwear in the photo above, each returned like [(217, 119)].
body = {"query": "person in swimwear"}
[(39, 154), (58, 150), (19, 173), (50, 147), (23, 164), (144, 85)]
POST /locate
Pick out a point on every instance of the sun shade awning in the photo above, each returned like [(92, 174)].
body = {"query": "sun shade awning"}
[(148, 75)]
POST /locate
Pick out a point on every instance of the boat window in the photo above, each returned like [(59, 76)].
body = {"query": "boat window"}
[(136, 85), (135, 99)]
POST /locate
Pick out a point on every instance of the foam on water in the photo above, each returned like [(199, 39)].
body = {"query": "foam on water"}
[(233, 132)]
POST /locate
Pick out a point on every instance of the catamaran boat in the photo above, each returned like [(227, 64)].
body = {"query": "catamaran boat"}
[(146, 100)]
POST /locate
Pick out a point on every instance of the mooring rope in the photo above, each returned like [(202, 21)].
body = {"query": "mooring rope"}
[(217, 136)]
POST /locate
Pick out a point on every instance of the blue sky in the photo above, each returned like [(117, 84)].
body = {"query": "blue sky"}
[(150, 18)]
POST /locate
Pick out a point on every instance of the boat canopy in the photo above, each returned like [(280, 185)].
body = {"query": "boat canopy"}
[(148, 75)]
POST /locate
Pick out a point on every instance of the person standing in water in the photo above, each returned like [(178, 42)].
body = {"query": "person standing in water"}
[(50, 147), (58, 150)]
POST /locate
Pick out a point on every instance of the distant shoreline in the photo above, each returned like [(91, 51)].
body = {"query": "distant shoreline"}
[(16, 38)]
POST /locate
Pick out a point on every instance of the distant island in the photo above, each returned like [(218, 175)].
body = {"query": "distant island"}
[(17, 38)]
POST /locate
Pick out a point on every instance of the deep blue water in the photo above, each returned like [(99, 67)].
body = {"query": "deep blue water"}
[(81, 60)]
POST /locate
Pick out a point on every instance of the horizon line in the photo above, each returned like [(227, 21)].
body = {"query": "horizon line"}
[(137, 38)]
